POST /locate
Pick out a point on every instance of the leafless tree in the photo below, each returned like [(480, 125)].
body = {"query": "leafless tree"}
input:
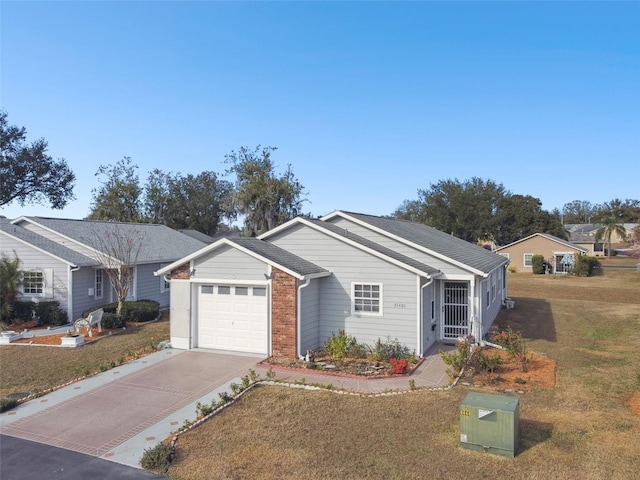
[(117, 248)]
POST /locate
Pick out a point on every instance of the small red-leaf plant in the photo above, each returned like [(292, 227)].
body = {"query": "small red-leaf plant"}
[(399, 364)]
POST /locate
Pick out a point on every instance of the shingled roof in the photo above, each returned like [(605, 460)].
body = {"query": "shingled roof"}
[(159, 243), (280, 256), (434, 241), (44, 244)]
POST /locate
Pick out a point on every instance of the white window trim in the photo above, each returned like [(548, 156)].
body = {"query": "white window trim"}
[(47, 283), (101, 295), (493, 287), (164, 285), (524, 260), (379, 313)]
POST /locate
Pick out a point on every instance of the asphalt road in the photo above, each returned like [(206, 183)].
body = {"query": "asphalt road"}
[(23, 459)]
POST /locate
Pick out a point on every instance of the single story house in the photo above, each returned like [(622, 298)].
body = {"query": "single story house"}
[(290, 289), (588, 242), (558, 253), (64, 260)]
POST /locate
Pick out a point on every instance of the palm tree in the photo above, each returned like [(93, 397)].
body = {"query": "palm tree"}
[(10, 280), (608, 228)]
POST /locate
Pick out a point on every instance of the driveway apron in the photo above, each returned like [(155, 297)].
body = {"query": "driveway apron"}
[(119, 413)]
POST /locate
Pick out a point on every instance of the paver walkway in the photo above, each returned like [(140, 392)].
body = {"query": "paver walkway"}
[(118, 414)]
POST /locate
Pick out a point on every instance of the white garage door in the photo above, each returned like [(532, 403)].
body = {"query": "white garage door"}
[(233, 317)]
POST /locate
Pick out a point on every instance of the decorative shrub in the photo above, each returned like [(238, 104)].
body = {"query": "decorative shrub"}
[(7, 403), (515, 346), (138, 311), (22, 310), (456, 359), (383, 351), (512, 268), (157, 459), (50, 313), (340, 345), (537, 264), (490, 363), (585, 265), (111, 320), (141, 311)]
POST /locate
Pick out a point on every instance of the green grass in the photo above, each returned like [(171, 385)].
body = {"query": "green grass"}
[(30, 369), (580, 429)]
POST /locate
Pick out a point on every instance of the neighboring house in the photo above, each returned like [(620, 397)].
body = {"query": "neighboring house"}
[(558, 253), (60, 262), (578, 230), (290, 289), (588, 242)]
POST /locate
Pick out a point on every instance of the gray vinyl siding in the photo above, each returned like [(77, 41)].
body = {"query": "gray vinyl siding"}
[(229, 263), (33, 259), (83, 280), (349, 264), (490, 313), (149, 286), (442, 265), (310, 316)]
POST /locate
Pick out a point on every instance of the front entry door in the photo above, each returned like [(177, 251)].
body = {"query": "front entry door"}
[(456, 310)]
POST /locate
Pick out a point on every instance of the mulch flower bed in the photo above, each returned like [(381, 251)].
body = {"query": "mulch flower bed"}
[(57, 339), (323, 363), (540, 374)]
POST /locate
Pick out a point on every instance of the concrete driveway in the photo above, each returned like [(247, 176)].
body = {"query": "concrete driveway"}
[(118, 414)]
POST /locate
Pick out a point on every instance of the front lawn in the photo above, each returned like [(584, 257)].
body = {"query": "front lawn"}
[(31, 368), (583, 428)]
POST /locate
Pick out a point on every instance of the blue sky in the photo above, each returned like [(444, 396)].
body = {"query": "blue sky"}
[(368, 101)]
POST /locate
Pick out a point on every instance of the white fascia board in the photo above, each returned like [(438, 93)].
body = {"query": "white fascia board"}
[(381, 231), (279, 228), (382, 256), (76, 242), (31, 245)]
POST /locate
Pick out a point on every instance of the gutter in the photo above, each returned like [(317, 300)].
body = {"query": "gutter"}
[(420, 335), (306, 283)]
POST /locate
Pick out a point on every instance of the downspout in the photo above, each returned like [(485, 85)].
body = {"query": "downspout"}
[(299, 317), (420, 333), (70, 293)]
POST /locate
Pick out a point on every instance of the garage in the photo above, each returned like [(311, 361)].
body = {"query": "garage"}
[(233, 318)]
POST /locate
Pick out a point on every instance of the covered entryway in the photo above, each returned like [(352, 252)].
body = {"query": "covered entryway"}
[(456, 310), (233, 318)]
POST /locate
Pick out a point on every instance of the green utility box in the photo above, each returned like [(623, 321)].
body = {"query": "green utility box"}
[(490, 423)]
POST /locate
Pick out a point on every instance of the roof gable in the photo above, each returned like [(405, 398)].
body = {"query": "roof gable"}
[(264, 251), (549, 237), (429, 240), (359, 242), (160, 243), (46, 246)]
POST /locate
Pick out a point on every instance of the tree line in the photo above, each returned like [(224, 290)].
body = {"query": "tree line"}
[(483, 210), (204, 202), (251, 188)]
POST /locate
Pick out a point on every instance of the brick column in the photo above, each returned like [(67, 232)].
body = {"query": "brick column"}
[(284, 295)]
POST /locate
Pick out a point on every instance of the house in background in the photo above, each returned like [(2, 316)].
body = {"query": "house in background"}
[(290, 289), (588, 242), (61, 259), (559, 253)]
